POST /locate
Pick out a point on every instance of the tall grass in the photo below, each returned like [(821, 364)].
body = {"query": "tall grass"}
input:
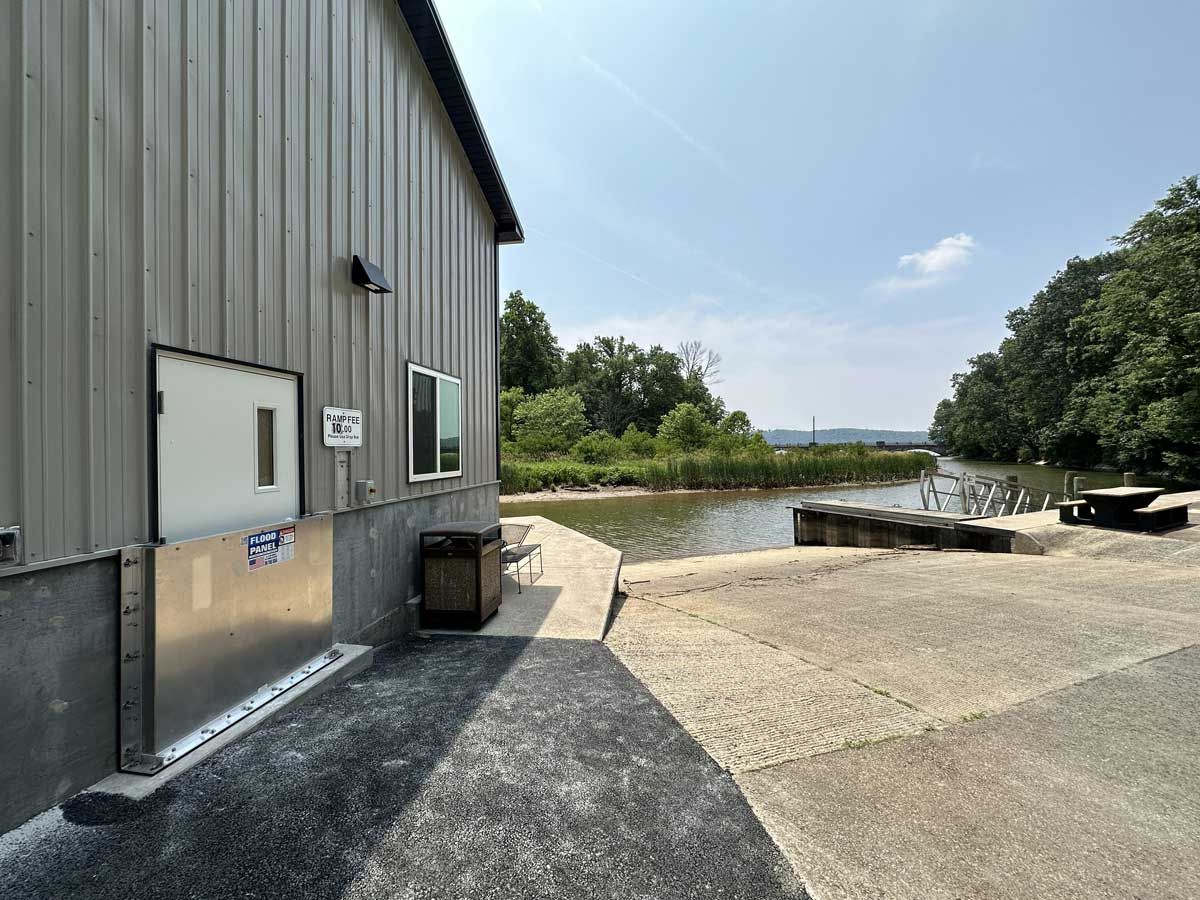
[(525, 476), (716, 473)]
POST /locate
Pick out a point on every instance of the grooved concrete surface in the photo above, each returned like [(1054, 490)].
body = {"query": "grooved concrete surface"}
[(1091, 792), (748, 704), (1081, 781), (954, 634), (1176, 547), (455, 767)]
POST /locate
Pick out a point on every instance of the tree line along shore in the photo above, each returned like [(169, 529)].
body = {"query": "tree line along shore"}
[(1101, 369), (612, 414)]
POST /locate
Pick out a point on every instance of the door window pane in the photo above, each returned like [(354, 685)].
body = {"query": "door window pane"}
[(450, 426), (424, 424), (266, 447)]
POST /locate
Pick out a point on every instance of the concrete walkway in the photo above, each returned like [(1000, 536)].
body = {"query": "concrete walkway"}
[(919, 724), (455, 767), (1041, 533), (1177, 547), (571, 599)]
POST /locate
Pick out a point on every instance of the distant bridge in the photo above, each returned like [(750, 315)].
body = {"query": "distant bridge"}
[(931, 448), (885, 445)]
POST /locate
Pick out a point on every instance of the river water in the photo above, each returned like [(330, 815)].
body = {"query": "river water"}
[(666, 525)]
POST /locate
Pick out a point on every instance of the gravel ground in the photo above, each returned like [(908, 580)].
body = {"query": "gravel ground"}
[(455, 767)]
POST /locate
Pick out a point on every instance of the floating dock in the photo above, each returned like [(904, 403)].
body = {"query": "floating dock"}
[(840, 523)]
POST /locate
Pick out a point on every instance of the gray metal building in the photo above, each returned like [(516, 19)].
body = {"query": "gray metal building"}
[(185, 184)]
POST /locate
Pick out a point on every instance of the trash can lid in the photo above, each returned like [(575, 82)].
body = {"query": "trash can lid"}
[(453, 529)]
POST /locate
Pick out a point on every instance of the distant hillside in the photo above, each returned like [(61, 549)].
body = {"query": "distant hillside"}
[(843, 436)]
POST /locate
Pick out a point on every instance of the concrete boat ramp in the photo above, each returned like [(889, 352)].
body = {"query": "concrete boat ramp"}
[(942, 725)]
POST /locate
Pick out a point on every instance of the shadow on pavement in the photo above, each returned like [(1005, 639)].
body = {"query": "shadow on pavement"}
[(455, 767)]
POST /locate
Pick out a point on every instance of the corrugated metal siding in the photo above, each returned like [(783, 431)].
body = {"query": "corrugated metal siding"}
[(199, 174), (12, 237)]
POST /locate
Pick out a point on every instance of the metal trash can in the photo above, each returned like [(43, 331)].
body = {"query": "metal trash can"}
[(461, 563)]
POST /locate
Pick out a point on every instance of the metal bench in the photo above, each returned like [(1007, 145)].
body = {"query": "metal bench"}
[(1072, 512), (515, 551), (1162, 516)]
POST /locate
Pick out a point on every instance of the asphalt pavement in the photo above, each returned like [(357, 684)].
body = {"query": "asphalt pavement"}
[(454, 767)]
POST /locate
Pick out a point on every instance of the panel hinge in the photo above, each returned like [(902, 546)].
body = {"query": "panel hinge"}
[(161, 406)]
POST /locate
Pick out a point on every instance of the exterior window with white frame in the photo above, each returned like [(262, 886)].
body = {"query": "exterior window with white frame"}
[(434, 424)]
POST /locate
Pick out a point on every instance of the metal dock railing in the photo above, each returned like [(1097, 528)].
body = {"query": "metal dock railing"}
[(978, 495)]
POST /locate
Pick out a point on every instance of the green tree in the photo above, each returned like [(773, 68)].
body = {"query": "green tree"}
[(698, 394), (661, 385), (686, 428), (637, 442), (605, 374), (977, 423), (735, 436), (510, 399), (1143, 344), (597, 448), (622, 384), (1043, 358), (530, 357), (550, 422), (1103, 365), (738, 424)]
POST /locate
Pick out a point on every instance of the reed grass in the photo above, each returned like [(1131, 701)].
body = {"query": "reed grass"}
[(526, 476), (704, 472)]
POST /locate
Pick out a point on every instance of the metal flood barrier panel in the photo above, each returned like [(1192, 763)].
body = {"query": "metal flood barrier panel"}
[(215, 627)]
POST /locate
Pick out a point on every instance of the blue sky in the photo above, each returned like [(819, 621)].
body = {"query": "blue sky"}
[(843, 199)]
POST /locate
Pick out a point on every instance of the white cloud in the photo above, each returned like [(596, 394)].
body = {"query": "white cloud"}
[(784, 364), (949, 253), (927, 268)]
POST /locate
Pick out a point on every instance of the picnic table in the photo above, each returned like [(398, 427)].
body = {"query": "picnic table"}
[(1116, 507)]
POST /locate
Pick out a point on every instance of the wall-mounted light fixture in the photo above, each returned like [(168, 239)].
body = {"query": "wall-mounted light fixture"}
[(369, 276)]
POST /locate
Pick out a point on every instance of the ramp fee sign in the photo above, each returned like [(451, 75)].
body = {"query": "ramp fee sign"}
[(343, 427), (269, 547)]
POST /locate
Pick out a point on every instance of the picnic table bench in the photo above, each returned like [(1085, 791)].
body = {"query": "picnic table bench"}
[(1072, 512), (1158, 516), (1134, 508), (1114, 507)]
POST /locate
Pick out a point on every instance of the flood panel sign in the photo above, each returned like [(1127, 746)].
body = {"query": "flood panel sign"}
[(269, 547)]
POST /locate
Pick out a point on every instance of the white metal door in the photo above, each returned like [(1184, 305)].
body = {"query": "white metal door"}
[(228, 448)]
